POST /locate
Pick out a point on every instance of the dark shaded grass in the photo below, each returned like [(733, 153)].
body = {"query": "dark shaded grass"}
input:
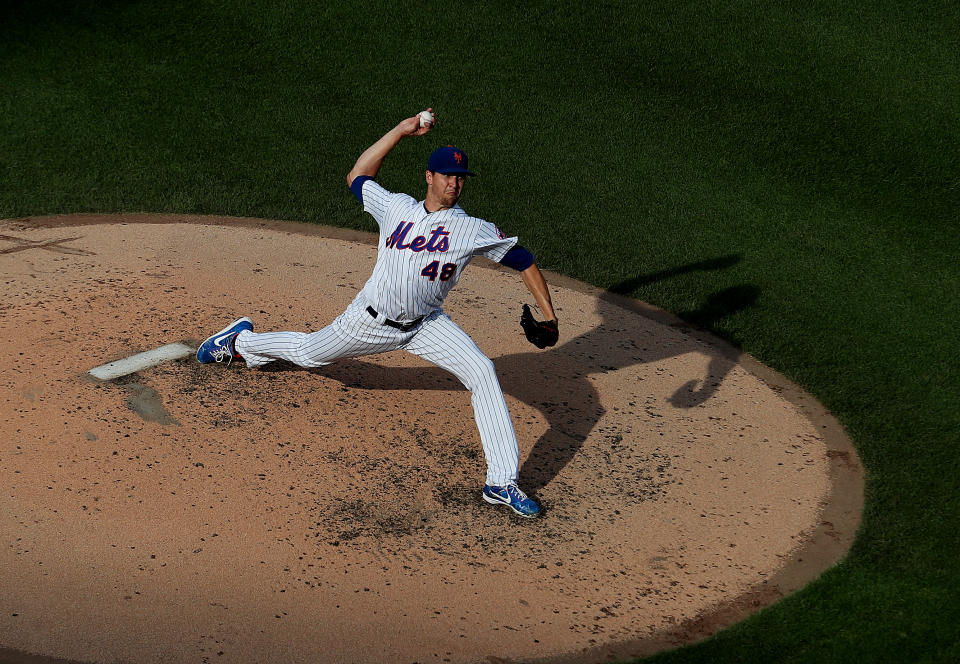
[(817, 143)]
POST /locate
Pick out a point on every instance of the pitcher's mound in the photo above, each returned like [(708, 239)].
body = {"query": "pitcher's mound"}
[(203, 513)]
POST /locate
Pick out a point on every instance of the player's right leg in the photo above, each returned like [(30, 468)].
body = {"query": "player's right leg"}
[(309, 350), (219, 347), (352, 334)]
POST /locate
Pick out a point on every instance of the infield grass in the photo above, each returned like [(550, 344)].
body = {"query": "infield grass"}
[(808, 152)]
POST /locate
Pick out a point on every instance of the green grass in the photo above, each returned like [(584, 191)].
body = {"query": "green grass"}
[(815, 143)]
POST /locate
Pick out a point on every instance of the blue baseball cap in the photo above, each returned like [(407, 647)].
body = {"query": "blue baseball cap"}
[(449, 161)]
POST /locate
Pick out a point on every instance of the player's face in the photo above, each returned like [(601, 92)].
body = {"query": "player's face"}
[(444, 189)]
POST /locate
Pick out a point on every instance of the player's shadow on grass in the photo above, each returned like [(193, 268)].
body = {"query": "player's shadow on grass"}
[(557, 382)]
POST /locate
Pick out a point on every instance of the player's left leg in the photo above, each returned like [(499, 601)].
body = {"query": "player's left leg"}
[(444, 343)]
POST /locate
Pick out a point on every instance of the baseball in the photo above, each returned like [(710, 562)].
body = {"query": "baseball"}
[(426, 118)]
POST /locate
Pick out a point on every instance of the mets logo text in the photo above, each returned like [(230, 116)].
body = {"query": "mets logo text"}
[(439, 239)]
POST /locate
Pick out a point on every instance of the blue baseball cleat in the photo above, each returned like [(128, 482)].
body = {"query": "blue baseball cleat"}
[(511, 496), (219, 347)]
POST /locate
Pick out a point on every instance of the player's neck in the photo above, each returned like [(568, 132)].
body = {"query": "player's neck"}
[(435, 206)]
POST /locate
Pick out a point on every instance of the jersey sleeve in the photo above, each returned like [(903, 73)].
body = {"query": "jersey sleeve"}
[(375, 199), (492, 243), (356, 187), (519, 258)]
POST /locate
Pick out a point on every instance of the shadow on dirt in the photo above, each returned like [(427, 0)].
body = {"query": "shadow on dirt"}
[(557, 381)]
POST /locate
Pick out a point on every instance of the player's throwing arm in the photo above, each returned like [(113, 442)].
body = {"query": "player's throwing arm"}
[(424, 247)]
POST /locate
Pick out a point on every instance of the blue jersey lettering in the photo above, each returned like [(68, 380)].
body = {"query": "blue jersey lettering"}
[(439, 239)]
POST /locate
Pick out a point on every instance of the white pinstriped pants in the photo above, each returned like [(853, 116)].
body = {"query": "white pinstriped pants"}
[(438, 340)]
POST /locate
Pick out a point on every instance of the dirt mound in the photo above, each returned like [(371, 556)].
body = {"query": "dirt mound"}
[(198, 513)]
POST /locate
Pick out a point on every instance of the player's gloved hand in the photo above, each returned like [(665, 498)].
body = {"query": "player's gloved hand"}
[(541, 333)]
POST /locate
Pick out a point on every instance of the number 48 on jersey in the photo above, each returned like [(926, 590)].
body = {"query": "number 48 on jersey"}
[(433, 271)]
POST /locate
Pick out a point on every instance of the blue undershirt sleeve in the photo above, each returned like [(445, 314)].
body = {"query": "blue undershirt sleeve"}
[(519, 258), (357, 186)]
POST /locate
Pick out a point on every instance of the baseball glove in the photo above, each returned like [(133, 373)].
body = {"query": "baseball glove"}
[(541, 333)]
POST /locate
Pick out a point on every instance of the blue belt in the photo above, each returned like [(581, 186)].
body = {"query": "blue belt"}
[(404, 327)]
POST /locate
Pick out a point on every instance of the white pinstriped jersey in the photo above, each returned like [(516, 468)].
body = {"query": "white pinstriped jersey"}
[(421, 255)]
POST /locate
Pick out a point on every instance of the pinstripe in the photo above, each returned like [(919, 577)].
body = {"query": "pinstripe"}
[(396, 287), (402, 287), (444, 343)]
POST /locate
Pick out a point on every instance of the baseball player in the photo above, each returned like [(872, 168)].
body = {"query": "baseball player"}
[(424, 247)]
